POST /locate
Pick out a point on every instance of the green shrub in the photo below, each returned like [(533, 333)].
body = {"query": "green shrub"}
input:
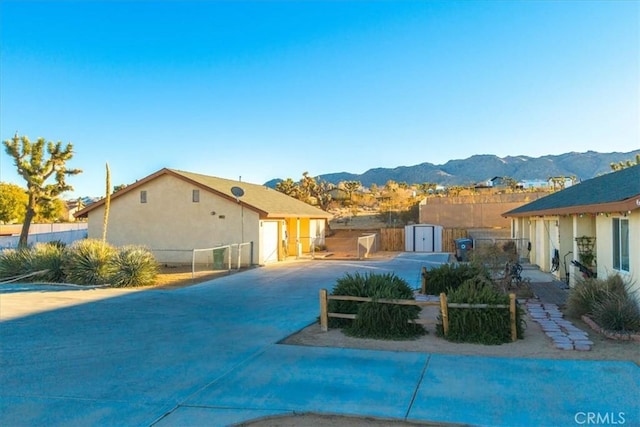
[(87, 262), (375, 320), (14, 262), (50, 257), (133, 266), (589, 292), (452, 276), (618, 312), (481, 325), (353, 285)]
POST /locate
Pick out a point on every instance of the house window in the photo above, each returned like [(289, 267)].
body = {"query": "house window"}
[(621, 244), (195, 196), (143, 196)]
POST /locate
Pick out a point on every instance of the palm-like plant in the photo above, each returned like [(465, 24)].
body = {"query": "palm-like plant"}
[(133, 266), (87, 262)]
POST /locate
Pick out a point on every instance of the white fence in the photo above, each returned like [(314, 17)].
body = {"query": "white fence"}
[(42, 233), (215, 258)]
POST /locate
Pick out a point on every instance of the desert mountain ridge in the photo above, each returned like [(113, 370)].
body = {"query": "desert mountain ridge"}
[(482, 167)]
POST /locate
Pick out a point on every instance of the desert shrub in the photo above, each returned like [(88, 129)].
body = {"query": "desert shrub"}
[(452, 276), (494, 259), (482, 325), (14, 262), (589, 292), (87, 262), (510, 250), (133, 266), (375, 320), (50, 257), (618, 312), (354, 285)]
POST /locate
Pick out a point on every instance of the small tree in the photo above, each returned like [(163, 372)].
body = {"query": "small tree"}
[(54, 210), (627, 164), (288, 187), (307, 190), (13, 202), (351, 187), (31, 164)]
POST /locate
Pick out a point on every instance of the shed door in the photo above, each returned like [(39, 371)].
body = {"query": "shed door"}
[(423, 239), (269, 241)]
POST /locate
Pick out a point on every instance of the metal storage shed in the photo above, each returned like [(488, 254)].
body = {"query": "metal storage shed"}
[(423, 238)]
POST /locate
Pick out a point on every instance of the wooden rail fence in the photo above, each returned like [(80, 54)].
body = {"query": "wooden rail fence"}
[(325, 314)]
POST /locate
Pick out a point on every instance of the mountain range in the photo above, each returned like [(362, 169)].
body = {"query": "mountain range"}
[(482, 167)]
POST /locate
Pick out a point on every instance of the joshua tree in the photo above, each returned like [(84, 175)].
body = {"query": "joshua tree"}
[(622, 165), (32, 165)]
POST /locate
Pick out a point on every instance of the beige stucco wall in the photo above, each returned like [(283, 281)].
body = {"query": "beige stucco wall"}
[(171, 224), (473, 211), (604, 243), (561, 232)]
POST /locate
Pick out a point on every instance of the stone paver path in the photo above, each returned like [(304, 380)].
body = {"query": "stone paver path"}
[(564, 335)]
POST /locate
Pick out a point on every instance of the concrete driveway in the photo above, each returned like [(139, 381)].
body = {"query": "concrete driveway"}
[(209, 355)]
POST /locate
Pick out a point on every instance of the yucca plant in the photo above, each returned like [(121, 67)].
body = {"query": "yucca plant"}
[(50, 257), (15, 262), (618, 312), (87, 262), (589, 292), (133, 266)]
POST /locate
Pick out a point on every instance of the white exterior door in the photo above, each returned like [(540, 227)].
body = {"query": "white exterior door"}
[(423, 239), (269, 242)]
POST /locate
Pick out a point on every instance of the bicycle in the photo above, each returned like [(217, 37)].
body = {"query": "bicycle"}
[(513, 273)]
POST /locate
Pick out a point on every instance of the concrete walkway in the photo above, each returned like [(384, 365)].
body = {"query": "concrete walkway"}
[(551, 294), (547, 288), (208, 355)]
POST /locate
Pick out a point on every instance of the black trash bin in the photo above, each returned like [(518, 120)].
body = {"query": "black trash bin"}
[(463, 246)]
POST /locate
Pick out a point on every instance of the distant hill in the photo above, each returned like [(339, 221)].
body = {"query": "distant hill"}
[(482, 167)]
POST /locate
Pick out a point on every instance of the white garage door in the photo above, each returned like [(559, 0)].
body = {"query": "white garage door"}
[(269, 241)]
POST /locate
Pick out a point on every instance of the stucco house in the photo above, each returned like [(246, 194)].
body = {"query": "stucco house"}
[(173, 212), (599, 218)]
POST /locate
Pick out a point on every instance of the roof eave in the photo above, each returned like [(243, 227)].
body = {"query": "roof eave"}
[(627, 205), (277, 215), (85, 212)]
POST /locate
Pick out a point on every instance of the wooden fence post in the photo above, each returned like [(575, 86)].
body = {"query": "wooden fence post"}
[(512, 311), (324, 315), (423, 288), (445, 313)]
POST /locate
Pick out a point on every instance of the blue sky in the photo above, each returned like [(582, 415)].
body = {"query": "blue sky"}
[(264, 90)]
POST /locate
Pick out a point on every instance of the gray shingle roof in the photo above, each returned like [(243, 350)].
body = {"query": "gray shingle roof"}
[(619, 186), (270, 202)]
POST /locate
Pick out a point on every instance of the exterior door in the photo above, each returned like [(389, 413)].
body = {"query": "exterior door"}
[(269, 241), (423, 239)]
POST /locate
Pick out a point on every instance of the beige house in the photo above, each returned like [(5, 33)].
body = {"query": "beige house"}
[(173, 212), (596, 223)]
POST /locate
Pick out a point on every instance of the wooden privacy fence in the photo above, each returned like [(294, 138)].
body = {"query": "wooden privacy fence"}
[(392, 239), (325, 314), (449, 235)]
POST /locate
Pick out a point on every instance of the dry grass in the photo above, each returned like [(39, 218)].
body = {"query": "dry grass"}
[(178, 276)]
